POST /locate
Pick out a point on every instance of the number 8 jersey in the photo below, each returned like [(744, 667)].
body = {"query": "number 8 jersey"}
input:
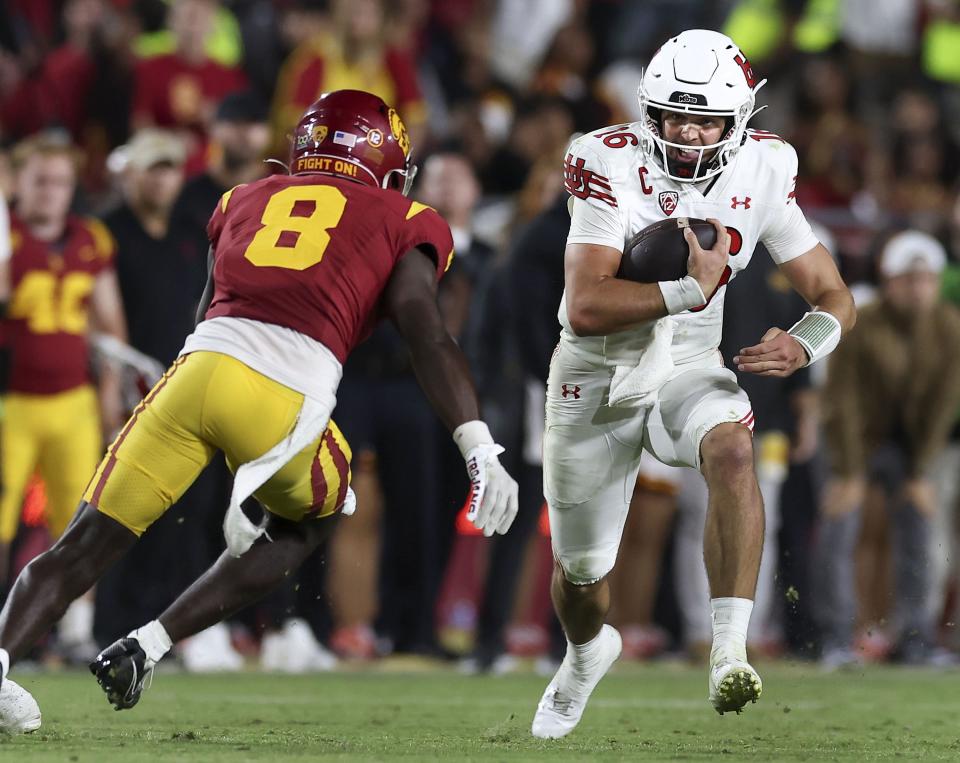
[(310, 254)]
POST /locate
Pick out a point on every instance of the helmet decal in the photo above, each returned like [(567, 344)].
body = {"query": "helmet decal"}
[(399, 131)]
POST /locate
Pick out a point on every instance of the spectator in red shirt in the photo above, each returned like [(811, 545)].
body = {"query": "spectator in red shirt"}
[(353, 54), (180, 90), (82, 86)]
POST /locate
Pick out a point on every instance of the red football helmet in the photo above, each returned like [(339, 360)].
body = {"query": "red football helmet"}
[(355, 135)]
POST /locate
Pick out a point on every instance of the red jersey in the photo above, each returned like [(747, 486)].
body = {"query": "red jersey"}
[(314, 253), (172, 93), (169, 92), (46, 324)]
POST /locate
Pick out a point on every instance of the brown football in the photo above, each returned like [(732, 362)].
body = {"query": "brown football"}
[(659, 252)]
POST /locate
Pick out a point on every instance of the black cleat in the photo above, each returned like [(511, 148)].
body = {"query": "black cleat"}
[(121, 670)]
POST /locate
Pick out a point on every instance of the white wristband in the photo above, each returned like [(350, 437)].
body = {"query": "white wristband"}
[(470, 434), (681, 295), (818, 332)]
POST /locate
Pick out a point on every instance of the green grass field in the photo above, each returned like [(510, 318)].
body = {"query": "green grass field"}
[(648, 713)]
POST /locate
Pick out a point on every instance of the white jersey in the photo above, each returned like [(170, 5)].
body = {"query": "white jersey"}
[(617, 191)]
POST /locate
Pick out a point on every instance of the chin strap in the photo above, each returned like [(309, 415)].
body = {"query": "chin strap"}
[(286, 167)]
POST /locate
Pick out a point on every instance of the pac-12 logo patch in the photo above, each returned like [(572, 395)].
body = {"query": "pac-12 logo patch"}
[(668, 201)]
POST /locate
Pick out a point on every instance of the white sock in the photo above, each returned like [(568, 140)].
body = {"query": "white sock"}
[(586, 652), (4, 663), (731, 618), (154, 639)]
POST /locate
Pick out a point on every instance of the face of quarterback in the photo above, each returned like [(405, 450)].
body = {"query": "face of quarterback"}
[(44, 189), (913, 293), (691, 130)]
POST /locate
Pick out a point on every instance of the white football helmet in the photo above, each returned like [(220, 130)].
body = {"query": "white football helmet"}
[(697, 72)]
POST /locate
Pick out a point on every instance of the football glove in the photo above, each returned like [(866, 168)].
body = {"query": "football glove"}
[(492, 503)]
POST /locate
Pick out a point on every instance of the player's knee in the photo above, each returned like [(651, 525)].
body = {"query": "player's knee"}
[(727, 450), (583, 567)]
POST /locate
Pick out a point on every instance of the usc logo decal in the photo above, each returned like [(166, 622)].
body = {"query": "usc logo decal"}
[(399, 131)]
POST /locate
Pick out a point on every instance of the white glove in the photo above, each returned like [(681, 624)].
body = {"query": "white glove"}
[(492, 503)]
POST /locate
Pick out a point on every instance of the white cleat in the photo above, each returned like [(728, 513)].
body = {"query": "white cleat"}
[(294, 649), (733, 683), (19, 711), (565, 699), (211, 651)]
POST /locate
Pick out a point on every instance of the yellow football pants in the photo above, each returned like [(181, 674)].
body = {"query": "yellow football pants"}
[(57, 435), (207, 402)]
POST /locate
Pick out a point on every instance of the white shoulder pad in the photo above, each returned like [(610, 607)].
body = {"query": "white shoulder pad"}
[(597, 162), (777, 163)]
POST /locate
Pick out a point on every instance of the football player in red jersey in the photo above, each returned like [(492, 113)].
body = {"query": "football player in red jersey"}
[(303, 266), (62, 285)]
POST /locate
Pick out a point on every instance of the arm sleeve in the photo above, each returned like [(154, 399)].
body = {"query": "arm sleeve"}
[(787, 234), (595, 212)]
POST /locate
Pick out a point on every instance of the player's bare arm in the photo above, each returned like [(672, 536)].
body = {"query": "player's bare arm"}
[(815, 277), (106, 306), (410, 301), (106, 314), (598, 302)]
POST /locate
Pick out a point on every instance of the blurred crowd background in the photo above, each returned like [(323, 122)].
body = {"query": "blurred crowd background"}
[(154, 108)]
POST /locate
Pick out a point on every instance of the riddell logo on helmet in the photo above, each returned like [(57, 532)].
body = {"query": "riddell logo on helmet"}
[(688, 98)]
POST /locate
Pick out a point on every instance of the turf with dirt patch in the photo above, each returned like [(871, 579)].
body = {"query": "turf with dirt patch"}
[(650, 713)]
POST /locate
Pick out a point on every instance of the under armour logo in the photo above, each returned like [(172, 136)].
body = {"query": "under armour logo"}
[(568, 389), (734, 203)]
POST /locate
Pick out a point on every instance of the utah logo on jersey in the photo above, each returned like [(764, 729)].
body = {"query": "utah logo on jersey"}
[(668, 201)]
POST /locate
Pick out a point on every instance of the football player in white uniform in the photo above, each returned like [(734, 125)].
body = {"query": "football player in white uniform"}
[(637, 367)]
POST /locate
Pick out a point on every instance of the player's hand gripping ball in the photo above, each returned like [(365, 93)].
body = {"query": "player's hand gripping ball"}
[(660, 252)]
